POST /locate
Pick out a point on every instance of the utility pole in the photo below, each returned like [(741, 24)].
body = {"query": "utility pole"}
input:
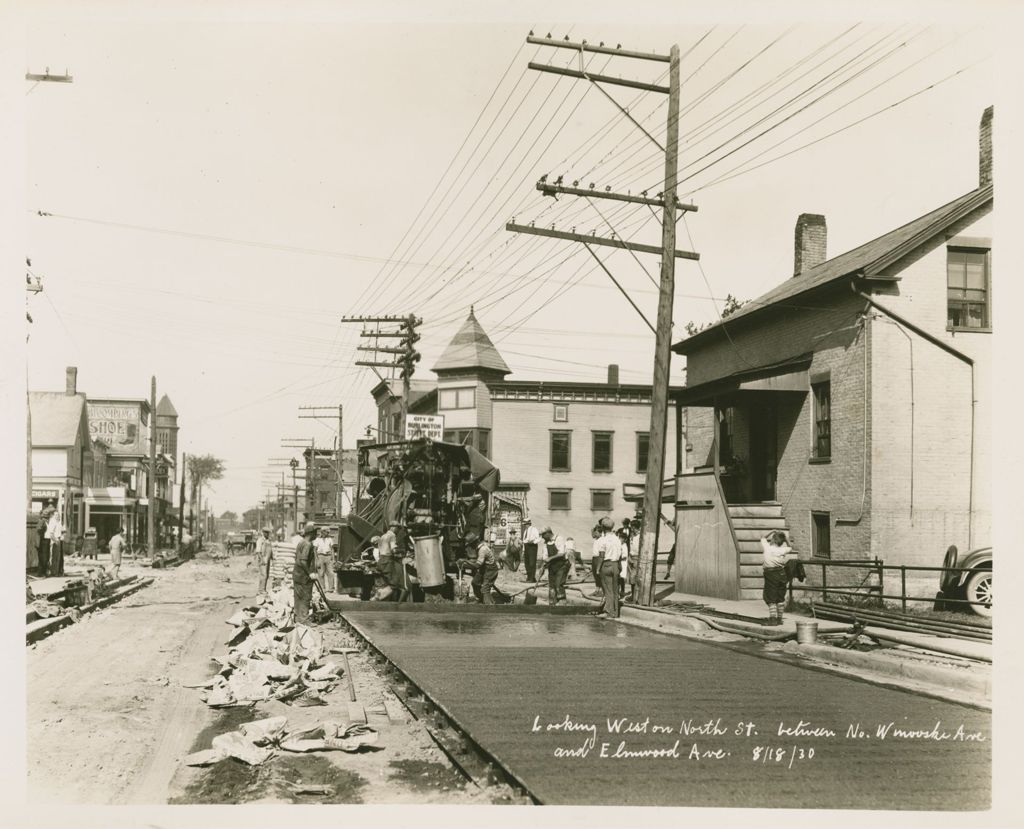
[(322, 413), (181, 502), (669, 204), (294, 464), (151, 482), (406, 355)]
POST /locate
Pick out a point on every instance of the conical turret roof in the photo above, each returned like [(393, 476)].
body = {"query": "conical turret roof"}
[(166, 408), (471, 348)]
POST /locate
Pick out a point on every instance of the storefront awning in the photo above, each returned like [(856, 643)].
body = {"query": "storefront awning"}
[(110, 496), (786, 376)]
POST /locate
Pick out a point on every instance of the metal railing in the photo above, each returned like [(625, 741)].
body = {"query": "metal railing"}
[(876, 591)]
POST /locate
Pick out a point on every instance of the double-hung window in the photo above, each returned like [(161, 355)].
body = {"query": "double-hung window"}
[(967, 288)]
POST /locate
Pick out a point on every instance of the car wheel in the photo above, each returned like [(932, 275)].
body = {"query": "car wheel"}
[(979, 589), (946, 578)]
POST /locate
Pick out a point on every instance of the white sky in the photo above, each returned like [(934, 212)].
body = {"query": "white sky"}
[(307, 145)]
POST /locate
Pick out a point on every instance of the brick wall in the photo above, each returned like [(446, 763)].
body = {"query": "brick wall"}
[(918, 531), (521, 450), (830, 327)]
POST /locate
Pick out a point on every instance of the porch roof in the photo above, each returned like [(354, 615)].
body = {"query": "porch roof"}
[(789, 375)]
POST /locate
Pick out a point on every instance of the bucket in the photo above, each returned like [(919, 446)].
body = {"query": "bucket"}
[(806, 633), (429, 561)]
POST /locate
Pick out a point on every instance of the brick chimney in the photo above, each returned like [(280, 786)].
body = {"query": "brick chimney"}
[(71, 381), (985, 149), (613, 375), (810, 244)]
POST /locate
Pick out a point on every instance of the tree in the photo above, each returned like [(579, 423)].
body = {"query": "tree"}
[(202, 468), (228, 515), (731, 306), (251, 518)]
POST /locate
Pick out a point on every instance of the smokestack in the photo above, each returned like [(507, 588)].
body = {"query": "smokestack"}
[(613, 375), (985, 149), (810, 243), (71, 381)]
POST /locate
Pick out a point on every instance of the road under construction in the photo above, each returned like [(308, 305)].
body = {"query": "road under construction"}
[(570, 709)]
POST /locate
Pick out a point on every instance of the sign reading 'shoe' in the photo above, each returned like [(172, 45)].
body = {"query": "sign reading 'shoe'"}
[(119, 426)]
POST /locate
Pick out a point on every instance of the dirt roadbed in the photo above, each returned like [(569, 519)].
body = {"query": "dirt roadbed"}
[(109, 721)]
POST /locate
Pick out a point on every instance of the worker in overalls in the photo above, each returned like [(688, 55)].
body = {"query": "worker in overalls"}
[(486, 567), (556, 564)]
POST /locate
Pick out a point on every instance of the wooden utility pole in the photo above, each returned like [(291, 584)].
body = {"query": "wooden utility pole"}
[(341, 466), (181, 502), (406, 356), (647, 575), (669, 204), (151, 482)]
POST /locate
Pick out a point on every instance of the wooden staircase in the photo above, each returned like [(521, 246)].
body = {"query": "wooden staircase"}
[(750, 522)]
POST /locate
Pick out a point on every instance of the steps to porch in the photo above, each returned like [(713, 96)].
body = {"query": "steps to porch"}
[(750, 522)]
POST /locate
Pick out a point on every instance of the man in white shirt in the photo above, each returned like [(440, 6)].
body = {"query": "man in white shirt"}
[(531, 541), (116, 545), (610, 550), (265, 555), (324, 548), (54, 535)]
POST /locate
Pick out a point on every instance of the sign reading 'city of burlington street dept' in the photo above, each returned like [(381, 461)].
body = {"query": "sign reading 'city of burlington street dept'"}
[(424, 426)]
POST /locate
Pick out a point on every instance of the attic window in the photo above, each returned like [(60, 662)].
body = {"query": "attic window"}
[(967, 288)]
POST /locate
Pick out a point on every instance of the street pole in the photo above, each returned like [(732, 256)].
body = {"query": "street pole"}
[(151, 483), (341, 477), (662, 350), (181, 502)]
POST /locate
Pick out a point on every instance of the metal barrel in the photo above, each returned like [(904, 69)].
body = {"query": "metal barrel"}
[(806, 633), (429, 561)]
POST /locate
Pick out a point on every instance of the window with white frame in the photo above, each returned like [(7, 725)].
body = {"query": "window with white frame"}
[(456, 398)]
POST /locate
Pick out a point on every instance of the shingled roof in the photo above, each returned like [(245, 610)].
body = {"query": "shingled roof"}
[(471, 348), (56, 417), (165, 407), (869, 261)]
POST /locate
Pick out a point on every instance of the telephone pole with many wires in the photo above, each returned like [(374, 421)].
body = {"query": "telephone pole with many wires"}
[(662, 329), (322, 413), (405, 356)]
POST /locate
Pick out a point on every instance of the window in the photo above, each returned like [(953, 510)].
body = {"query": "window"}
[(602, 451), (822, 447), (821, 534), (462, 436), (643, 448), (483, 443), (456, 398), (561, 450), (559, 499), (561, 414), (601, 500), (967, 283)]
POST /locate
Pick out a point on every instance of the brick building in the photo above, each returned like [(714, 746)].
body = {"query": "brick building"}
[(850, 404), (565, 450)]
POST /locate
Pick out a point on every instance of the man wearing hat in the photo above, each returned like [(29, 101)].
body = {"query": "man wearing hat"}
[(486, 567), (610, 550), (531, 540), (303, 574), (325, 559), (557, 565), (264, 556)]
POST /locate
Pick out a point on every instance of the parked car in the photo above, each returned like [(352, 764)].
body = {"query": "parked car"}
[(970, 579)]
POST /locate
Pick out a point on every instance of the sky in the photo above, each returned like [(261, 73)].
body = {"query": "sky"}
[(221, 187)]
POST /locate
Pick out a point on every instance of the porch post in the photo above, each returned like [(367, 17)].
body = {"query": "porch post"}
[(717, 436), (679, 438)]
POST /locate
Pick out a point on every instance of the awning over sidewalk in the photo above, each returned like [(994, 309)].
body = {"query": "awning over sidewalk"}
[(787, 376), (109, 496)]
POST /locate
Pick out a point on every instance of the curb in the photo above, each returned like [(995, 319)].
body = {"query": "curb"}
[(951, 678), (44, 627), (953, 683)]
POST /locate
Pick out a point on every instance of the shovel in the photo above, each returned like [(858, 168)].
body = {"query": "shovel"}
[(323, 595)]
